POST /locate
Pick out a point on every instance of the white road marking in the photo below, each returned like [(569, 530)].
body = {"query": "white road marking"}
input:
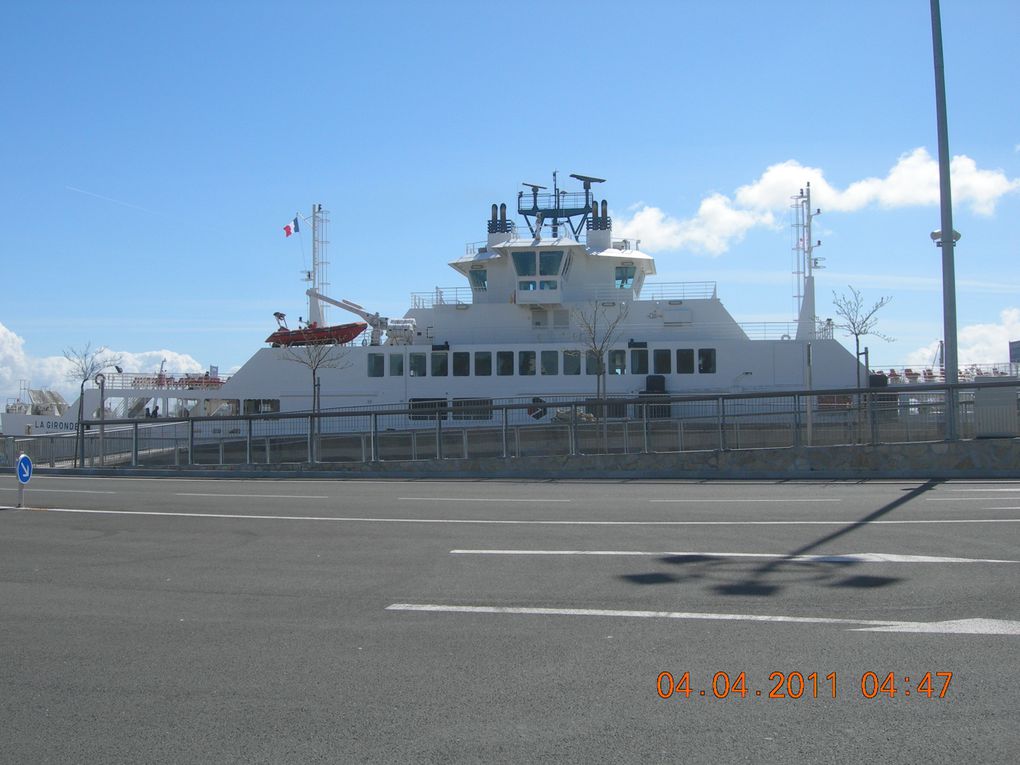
[(952, 627), (842, 558), (968, 499), (498, 522), (252, 496), (728, 501), (977, 490), (63, 491), (475, 499), (961, 626)]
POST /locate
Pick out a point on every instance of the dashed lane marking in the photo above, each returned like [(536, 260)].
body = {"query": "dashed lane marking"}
[(252, 496)]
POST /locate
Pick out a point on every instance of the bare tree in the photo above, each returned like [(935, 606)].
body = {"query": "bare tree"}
[(314, 357), (599, 326), (858, 321), (84, 364)]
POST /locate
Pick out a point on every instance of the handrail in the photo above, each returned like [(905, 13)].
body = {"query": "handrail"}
[(387, 409)]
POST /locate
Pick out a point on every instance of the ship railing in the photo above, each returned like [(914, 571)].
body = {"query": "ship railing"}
[(769, 330), (441, 296), (164, 381), (678, 291), (914, 374), (444, 428)]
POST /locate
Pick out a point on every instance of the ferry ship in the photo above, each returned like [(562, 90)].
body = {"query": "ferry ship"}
[(550, 305)]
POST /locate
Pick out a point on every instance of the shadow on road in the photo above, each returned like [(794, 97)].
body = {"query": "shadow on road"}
[(770, 577)]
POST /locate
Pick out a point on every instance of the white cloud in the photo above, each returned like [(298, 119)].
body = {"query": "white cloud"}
[(977, 343), (50, 372), (912, 181), (721, 221), (717, 225)]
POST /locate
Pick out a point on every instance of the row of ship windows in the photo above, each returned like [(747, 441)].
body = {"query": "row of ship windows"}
[(525, 363)]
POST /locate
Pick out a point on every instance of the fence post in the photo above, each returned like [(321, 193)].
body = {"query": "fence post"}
[(311, 429), (134, 444), (505, 446), (797, 441), (721, 415), (573, 431), (644, 425), (247, 444), (191, 442), (375, 437), (872, 418), (439, 434)]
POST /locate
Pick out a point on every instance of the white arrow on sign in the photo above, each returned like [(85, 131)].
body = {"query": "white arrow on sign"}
[(24, 468)]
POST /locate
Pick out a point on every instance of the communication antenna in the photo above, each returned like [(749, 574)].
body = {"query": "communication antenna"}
[(804, 262)]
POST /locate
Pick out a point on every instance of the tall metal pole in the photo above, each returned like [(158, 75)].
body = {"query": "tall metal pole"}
[(947, 242)]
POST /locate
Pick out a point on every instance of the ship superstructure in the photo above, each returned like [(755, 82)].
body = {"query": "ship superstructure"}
[(550, 305)]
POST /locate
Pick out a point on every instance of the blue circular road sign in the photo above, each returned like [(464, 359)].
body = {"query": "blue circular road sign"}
[(24, 468)]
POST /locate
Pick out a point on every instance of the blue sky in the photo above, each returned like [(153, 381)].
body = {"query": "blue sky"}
[(153, 151)]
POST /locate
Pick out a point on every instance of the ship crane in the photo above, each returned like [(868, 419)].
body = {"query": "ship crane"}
[(398, 331)]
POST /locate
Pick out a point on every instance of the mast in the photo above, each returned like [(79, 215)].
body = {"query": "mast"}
[(316, 277), (805, 263)]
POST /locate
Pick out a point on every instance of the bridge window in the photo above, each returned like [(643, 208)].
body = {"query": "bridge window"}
[(548, 284), (639, 361), (461, 363), (440, 364), (376, 364), (479, 279), (526, 362), (571, 362), (527, 286), (483, 363), (416, 361), (617, 362), (592, 363), (550, 362), (259, 405), (524, 263), (661, 361), (396, 365), (706, 361), (549, 262), (685, 361), (625, 277), (504, 363)]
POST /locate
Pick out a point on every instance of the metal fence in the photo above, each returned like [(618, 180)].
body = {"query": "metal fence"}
[(477, 428)]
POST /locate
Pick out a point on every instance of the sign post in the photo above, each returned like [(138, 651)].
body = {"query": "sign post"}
[(24, 470)]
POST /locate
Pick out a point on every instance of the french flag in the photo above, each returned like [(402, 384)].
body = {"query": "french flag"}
[(291, 228)]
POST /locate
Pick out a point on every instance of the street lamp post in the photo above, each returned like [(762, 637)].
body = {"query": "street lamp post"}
[(946, 235), (100, 380)]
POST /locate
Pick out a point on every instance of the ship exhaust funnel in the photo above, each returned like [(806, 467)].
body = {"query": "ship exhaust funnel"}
[(498, 226)]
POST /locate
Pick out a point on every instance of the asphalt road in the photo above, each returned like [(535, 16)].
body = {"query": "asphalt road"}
[(173, 620)]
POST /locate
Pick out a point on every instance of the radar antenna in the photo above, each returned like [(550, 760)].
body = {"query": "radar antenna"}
[(557, 205)]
